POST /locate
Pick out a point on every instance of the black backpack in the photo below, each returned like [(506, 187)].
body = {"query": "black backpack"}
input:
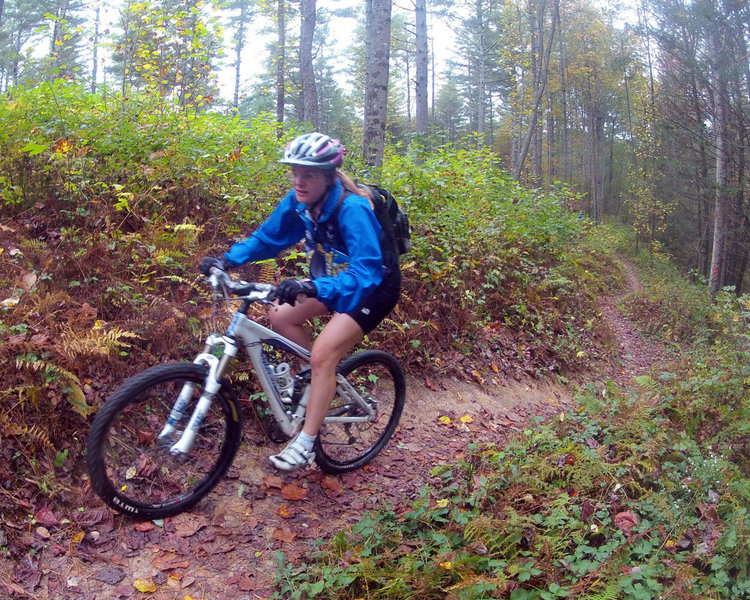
[(392, 218)]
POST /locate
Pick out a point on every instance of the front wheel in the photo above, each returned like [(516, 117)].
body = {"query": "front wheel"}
[(353, 432), (133, 471)]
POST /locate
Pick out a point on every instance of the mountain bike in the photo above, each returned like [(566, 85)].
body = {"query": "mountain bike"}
[(166, 436)]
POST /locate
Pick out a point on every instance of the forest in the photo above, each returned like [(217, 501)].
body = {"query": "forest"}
[(558, 157)]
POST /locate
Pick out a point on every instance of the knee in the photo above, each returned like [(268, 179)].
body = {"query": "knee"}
[(324, 359), (281, 317)]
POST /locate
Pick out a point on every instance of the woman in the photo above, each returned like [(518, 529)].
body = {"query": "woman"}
[(353, 267)]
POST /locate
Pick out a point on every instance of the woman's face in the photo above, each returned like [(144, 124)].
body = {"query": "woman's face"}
[(309, 184)]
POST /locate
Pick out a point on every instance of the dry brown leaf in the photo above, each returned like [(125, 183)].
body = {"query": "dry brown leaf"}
[(291, 491), (332, 484), (188, 524), (272, 481), (283, 535)]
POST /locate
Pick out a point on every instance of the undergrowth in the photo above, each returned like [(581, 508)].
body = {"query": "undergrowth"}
[(634, 495), (613, 500)]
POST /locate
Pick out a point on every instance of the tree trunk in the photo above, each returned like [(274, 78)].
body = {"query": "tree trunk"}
[(280, 66), (378, 45), (239, 46), (597, 153), (420, 13), (722, 214), (481, 76), (95, 59), (563, 103), (540, 84), (307, 72)]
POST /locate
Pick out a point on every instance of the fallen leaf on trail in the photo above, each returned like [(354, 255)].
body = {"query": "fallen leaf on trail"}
[(466, 419), (188, 524), (96, 517), (284, 512), (332, 484), (145, 585), (272, 481), (144, 527), (45, 516), (166, 561), (445, 420), (221, 545), (246, 584), (478, 376), (283, 535), (292, 491), (429, 385)]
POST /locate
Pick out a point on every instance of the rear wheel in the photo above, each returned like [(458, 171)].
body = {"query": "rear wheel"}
[(133, 471), (378, 379)]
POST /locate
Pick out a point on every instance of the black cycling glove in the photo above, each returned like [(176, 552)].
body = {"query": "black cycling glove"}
[(288, 290), (209, 261)]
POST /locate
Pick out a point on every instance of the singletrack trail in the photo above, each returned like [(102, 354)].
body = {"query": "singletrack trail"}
[(225, 549)]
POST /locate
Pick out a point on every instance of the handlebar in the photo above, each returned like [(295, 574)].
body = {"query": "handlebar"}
[(242, 290)]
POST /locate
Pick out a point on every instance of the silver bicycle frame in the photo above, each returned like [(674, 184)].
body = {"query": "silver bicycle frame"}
[(252, 336)]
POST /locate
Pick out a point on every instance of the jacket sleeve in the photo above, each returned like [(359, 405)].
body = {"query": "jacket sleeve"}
[(283, 228), (360, 232)]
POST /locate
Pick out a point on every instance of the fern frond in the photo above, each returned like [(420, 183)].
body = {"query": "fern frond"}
[(33, 433), (51, 371), (267, 270), (649, 383), (50, 302), (95, 342), (395, 324)]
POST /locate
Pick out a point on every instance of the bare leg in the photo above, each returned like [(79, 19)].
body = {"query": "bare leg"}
[(290, 321), (339, 336)]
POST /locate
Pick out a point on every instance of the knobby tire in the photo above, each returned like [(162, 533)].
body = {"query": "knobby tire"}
[(137, 476), (339, 447)]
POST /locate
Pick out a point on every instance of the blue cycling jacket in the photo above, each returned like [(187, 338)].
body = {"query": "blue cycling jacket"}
[(343, 246)]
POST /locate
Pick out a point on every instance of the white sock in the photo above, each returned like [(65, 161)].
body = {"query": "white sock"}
[(307, 441)]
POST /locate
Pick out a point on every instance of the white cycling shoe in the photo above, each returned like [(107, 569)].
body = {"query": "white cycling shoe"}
[(292, 457)]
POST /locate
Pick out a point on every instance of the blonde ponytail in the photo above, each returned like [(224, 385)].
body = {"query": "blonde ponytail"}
[(352, 186)]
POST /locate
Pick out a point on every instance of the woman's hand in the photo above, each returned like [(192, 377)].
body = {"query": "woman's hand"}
[(288, 290)]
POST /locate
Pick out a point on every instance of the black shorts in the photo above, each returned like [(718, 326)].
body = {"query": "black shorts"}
[(373, 309)]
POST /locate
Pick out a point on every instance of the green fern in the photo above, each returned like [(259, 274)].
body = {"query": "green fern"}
[(51, 371), (610, 592)]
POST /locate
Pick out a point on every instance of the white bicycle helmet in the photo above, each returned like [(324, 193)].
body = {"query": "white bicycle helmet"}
[(314, 150)]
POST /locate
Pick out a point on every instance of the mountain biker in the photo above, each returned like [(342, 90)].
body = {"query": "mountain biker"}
[(353, 267)]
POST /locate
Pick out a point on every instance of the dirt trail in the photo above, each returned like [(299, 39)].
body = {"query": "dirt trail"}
[(225, 549)]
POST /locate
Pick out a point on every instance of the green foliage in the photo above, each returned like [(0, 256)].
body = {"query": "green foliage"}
[(633, 495), (501, 260), (143, 156), (608, 502)]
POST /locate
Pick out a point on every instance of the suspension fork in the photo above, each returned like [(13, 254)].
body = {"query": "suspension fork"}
[(217, 367)]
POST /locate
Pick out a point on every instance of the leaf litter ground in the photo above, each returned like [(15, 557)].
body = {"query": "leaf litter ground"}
[(226, 547)]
